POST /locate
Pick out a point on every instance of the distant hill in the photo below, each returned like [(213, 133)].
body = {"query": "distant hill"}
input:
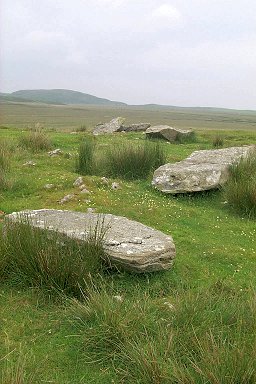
[(57, 96)]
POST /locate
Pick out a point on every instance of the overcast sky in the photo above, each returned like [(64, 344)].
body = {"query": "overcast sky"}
[(175, 52)]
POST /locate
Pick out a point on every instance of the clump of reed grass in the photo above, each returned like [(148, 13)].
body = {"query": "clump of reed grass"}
[(218, 141), (14, 372), (41, 258), (187, 138), (134, 162), (5, 162), (240, 189), (85, 164), (35, 140), (82, 128), (196, 337)]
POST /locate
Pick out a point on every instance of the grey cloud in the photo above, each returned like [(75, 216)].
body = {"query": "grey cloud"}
[(196, 52)]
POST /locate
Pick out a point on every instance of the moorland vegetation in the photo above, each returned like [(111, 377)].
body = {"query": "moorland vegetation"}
[(79, 322)]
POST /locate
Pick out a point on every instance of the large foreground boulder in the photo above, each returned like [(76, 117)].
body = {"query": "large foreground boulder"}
[(111, 127), (167, 133), (203, 170), (129, 245)]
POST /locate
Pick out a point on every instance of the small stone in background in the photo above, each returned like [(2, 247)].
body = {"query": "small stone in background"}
[(169, 305), (48, 186), (66, 198), (115, 186), (104, 180), (79, 181), (91, 210), (30, 163), (118, 298), (87, 201), (55, 152), (83, 186), (84, 190)]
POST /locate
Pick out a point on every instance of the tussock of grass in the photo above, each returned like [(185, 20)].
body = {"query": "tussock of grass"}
[(185, 139), (5, 160), (40, 258), (82, 128), (85, 164), (127, 161), (35, 140), (14, 372), (134, 162), (196, 337), (240, 190), (218, 141)]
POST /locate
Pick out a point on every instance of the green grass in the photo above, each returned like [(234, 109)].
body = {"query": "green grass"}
[(126, 160), (134, 162), (141, 337), (35, 140), (85, 162), (218, 141), (240, 190), (36, 258), (5, 163), (69, 118)]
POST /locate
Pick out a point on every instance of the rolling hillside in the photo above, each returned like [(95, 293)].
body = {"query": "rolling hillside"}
[(57, 96)]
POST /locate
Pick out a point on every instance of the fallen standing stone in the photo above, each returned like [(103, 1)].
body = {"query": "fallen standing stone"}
[(111, 127), (202, 170), (129, 245), (167, 133)]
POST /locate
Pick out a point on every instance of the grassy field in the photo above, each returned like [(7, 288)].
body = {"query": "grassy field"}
[(65, 117), (192, 324)]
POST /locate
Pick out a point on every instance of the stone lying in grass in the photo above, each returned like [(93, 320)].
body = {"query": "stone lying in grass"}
[(203, 170), (168, 133), (111, 127), (129, 245)]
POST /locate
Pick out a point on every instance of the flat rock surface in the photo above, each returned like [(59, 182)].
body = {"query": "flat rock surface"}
[(130, 245), (139, 127), (202, 170)]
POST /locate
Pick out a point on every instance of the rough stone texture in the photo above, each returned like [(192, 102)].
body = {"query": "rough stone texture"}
[(140, 127), (111, 127), (55, 152), (66, 198), (203, 170), (78, 182), (168, 133), (129, 245), (30, 163), (49, 186)]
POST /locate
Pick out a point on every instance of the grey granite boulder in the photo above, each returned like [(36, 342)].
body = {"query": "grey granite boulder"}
[(129, 245), (167, 133), (111, 127), (202, 170), (139, 127)]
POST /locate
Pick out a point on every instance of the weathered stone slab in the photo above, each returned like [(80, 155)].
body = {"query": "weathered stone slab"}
[(139, 127), (111, 127), (129, 245), (167, 133), (203, 170)]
